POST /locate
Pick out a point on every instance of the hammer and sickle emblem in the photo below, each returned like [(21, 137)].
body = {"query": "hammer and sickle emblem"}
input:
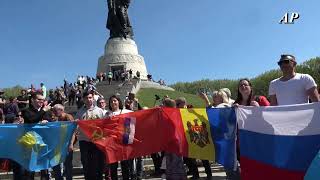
[(97, 134)]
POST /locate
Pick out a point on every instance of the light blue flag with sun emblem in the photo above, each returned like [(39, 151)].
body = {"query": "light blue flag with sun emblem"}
[(36, 146), (313, 170)]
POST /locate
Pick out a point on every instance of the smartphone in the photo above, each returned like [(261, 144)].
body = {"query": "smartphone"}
[(202, 90)]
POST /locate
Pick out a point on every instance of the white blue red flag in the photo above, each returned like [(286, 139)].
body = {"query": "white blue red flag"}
[(278, 142)]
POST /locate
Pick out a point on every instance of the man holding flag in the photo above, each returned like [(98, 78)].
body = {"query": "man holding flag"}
[(92, 158), (273, 140), (36, 113)]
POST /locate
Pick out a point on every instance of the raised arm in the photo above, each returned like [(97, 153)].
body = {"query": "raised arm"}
[(205, 98)]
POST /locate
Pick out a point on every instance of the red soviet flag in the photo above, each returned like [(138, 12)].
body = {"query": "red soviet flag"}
[(131, 135)]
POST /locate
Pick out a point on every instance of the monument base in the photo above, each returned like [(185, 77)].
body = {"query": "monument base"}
[(122, 54)]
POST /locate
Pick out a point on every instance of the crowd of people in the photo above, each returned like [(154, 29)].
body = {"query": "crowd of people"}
[(123, 76), (290, 88), (118, 75)]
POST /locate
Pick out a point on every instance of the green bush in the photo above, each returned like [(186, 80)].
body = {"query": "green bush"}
[(13, 91), (147, 97), (260, 83)]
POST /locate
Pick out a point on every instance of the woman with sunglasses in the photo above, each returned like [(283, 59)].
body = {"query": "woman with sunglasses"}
[(245, 96)]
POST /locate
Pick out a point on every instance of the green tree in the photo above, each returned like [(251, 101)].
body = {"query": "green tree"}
[(260, 83), (13, 91)]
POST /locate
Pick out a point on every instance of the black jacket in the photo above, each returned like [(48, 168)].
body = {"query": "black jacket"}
[(32, 115)]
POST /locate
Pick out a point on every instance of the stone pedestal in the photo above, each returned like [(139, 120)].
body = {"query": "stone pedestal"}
[(122, 53)]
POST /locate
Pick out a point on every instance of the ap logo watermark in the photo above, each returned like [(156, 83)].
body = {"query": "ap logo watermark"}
[(289, 18)]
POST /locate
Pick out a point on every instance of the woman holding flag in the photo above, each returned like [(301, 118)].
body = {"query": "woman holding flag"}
[(116, 108), (245, 97)]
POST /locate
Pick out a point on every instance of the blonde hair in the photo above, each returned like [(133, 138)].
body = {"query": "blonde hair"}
[(222, 94), (227, 91), (58, 106)]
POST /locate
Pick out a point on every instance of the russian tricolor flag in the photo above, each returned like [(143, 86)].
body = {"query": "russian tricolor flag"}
[(278, 142)]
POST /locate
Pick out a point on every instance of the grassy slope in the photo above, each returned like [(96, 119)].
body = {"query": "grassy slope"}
[(146, 97)]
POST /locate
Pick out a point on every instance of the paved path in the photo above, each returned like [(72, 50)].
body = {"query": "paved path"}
[(217, 173)]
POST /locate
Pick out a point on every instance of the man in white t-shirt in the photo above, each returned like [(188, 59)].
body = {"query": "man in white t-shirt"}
[(292, 87)]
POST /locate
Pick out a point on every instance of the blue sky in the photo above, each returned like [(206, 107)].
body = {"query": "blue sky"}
[(181, 40)]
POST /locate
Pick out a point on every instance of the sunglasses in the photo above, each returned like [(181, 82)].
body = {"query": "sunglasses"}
[(243, 85), (283, 62)]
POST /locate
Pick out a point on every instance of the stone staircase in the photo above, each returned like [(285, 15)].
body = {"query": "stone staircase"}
[(118, 88), (121, 89)]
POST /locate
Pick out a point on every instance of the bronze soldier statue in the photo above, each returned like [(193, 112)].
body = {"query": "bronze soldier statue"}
[(118, 21)]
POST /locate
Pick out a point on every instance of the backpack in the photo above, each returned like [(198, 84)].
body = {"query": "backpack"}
[(262, 101)]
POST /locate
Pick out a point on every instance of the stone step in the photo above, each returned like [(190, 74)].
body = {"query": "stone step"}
[(120, 89)]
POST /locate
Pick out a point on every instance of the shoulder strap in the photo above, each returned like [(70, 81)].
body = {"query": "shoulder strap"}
[(257, 98)]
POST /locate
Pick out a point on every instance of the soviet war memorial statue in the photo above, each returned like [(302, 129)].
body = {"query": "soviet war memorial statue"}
[(118, 21), (121, 52)]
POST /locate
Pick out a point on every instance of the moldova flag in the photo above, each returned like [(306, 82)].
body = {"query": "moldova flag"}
[(36, 146), (278, 142), (207, 134)]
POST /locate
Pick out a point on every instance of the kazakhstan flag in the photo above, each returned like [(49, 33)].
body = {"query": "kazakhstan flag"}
[(36, 146)]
